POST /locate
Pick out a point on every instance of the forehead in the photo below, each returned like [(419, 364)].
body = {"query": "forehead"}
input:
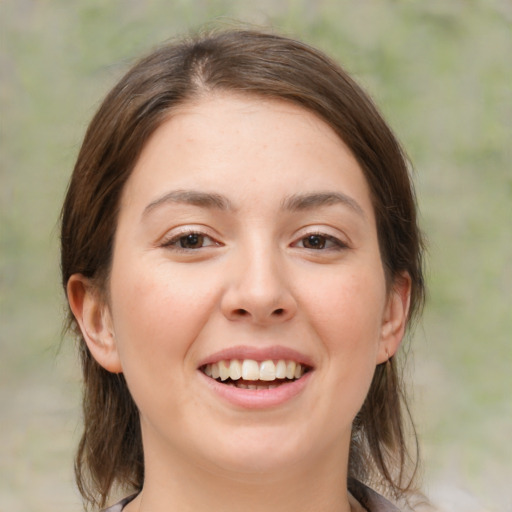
[(210, 118), (221, 139)]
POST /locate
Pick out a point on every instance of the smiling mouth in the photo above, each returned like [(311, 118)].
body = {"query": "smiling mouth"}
[(251, 374)]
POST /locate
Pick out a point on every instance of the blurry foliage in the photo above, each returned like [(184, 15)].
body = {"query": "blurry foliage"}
[(441, 71)]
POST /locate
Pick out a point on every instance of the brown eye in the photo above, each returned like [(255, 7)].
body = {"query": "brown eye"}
[(314, 242), (189, 241), (320, 242), (192, 241)]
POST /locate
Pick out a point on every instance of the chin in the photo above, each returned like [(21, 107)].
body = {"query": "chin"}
[(257, 451)]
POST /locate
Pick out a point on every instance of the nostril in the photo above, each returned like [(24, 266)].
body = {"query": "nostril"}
[(279, 311), (241, 312)]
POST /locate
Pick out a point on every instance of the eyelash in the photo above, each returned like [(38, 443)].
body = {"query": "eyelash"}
[(174, 241), (337, 244), (321, 239)]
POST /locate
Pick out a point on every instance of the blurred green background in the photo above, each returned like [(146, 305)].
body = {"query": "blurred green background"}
[(441, 71)]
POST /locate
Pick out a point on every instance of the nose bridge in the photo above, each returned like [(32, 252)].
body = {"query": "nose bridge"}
[(260, 275), (258, 285)]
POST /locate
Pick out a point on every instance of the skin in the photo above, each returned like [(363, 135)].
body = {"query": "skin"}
[(256, 280)]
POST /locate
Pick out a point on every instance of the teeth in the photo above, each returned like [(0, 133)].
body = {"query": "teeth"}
[(290, 370), (235, 369), (267, 370), (251, 370), (281, 369), (223, 370), (254, 386)]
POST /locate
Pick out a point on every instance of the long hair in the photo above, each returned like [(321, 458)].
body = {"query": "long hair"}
[(264, 65)]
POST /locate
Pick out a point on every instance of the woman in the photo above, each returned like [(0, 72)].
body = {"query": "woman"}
[(241, 257)]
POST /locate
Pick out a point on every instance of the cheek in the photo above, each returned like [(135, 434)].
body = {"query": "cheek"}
[(347, 311), (347, 319), (158, 312)]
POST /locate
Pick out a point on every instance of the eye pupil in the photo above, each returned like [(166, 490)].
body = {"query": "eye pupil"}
[(314, 242), (191, 241)]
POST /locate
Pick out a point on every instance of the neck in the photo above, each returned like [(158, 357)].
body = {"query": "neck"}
[(188, 487)]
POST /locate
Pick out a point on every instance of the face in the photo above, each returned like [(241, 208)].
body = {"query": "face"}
[(248, 304)]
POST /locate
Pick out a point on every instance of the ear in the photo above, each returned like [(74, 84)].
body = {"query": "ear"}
[(95, 321), (395, 316)]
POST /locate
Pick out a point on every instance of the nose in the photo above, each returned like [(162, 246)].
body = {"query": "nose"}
[(258, 291)]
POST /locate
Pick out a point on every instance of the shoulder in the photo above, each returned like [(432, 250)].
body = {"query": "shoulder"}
[(118, 507), (369, 499)]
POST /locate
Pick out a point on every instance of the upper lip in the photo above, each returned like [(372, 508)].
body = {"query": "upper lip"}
[(259, 354)]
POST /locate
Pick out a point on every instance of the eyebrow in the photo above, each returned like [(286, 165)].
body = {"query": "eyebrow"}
[(192, 197), (298, 202)]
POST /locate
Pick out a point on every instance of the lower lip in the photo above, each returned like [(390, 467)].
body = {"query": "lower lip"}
[(258, 398)]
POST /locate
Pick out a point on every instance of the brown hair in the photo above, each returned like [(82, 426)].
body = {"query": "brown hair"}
[(250, 62)]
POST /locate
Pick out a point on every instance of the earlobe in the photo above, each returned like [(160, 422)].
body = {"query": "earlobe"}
[(93, 317), (395, 317)]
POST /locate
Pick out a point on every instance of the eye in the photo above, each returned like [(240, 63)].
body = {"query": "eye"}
[(192, 241), (189, 241), (318, 241), (314, 242)]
